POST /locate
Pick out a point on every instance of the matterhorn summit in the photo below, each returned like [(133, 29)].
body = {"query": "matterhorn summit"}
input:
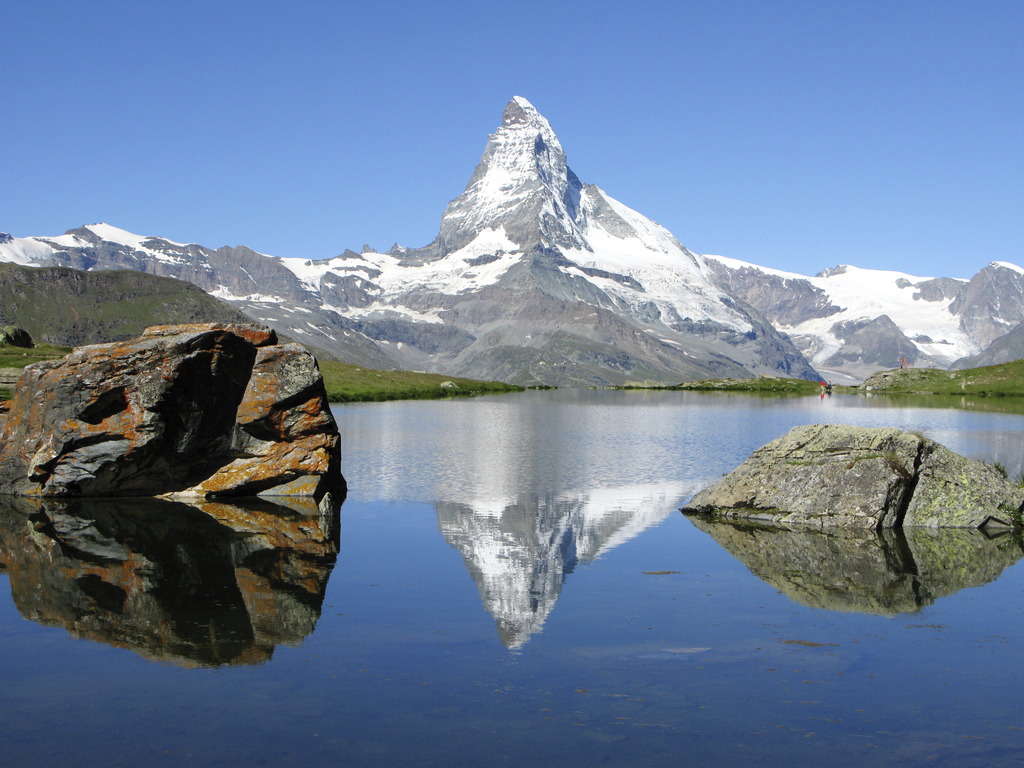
[(522, 185), (534, 278)]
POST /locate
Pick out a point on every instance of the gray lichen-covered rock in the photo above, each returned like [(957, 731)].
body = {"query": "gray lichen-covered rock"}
[(187, 410), (839, 475)]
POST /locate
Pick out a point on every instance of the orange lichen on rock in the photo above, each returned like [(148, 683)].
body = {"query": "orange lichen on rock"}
[(195, 410)]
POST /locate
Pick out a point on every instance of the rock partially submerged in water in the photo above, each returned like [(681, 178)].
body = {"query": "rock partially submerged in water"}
[(839, 475), (186, 410)]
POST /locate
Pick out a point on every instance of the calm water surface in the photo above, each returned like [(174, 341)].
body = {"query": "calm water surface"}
[(514, 587)]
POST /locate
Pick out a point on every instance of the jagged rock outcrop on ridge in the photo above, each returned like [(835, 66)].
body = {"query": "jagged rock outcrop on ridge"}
[(840, 475), (16, 337), (188, 410)]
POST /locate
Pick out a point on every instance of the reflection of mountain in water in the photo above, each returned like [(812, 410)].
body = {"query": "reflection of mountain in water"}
[(883, 572), (198, 585), (519, 552)]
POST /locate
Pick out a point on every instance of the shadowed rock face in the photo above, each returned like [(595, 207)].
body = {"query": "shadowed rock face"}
[(192, 410), (838, 475), (198, 585), (885, 572)]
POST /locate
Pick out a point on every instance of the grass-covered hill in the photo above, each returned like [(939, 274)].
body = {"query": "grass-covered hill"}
[(69, 307), (1005, 379)]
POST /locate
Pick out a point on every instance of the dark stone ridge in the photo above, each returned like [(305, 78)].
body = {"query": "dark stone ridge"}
[(191, 411), (1005, 349), (839, 475), (876, 342), (208, 584)]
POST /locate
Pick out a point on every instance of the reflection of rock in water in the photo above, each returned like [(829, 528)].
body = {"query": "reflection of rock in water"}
[(883, 572), (520, 556), (199, 585)]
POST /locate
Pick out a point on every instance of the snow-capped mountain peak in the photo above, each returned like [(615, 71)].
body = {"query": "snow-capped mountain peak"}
[(534, 277), (519, 110), (522, 184)]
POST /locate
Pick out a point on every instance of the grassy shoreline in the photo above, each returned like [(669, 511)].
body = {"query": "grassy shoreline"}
[(758, 385), (1005, 380), (349, 383), (345, 383)]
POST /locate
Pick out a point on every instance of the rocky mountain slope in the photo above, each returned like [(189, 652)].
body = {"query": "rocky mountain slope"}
[(255, 285), (537, 277), (534, 277)]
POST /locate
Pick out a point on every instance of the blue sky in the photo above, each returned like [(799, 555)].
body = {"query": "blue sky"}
[(796, 135)]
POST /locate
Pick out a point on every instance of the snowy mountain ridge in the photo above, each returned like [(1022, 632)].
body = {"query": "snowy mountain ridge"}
[(535, 277), (850, 321)]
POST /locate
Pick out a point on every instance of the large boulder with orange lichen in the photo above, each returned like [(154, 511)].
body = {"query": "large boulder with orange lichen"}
[(185, 410)]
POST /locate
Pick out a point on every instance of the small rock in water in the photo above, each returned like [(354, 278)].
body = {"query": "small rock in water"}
[(839, 475)]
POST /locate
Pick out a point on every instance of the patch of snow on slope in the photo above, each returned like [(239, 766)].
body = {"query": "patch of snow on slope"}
[(117, 235), (27, 251), (310, 272), (660, 245), (112, 234), (386, 311), (737, 264), (865, 294), (678, 286), (226, 294), (450, 275)]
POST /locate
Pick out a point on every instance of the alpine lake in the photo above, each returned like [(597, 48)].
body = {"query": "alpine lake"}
[(513, 585)]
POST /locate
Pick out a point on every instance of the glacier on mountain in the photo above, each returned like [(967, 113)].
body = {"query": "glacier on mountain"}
[(549, 280), (850, 322)]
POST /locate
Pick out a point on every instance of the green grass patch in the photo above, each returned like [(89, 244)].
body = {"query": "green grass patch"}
[(19, 357), (13, 359), (1003, 380), (347, 383)]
